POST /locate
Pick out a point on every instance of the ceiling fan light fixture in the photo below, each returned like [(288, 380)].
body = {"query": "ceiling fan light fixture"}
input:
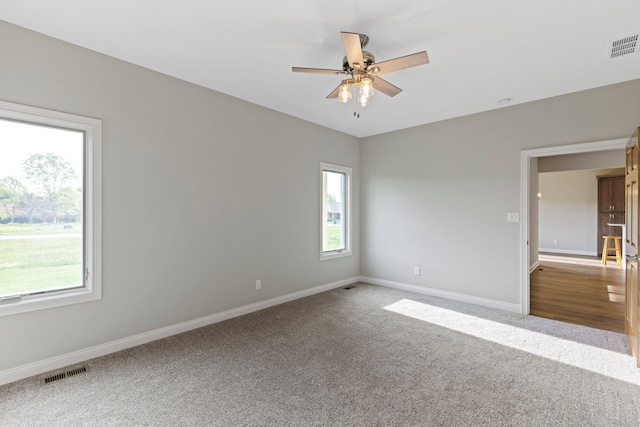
[(344, 93), (366, 88)]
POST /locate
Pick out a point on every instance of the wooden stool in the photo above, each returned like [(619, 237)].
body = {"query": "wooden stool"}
[(606, 249)]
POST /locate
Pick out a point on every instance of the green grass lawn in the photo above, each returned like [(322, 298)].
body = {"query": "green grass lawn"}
[(33, 265), (333, 237)]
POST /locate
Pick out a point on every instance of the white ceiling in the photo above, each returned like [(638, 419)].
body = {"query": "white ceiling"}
[(480, 51)]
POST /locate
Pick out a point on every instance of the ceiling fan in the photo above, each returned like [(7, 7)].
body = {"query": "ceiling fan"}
[(364, 71)]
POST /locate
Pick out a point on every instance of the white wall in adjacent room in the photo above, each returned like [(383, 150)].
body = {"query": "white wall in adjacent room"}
[(568, 211), (534, 190), (606, 159)]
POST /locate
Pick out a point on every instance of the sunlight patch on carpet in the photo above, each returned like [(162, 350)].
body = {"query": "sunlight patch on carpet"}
[(598, 360)]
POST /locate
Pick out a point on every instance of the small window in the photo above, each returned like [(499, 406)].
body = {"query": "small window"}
[(336, 211), (49, 208)]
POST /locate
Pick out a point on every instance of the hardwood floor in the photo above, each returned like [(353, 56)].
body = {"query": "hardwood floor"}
[(580, 291)]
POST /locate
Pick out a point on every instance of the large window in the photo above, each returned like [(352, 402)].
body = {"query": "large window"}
[(49, 208), (336, 211)]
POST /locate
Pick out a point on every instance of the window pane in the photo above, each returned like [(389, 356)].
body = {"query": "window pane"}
[(41, 205), (334, 235)]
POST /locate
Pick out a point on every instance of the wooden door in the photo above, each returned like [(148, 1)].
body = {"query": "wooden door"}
[(632, 240)]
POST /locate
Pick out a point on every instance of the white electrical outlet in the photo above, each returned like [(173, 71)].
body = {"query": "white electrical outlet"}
[(513, 216), (258, 284), (555, 242), (416, 271)]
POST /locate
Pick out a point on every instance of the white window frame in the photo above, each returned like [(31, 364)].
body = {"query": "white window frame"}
[(328, 167), (92, 251)]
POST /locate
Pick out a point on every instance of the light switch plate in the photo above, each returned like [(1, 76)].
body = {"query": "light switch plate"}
[(513, 216)]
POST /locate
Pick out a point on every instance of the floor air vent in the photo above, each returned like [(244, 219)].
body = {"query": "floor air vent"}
[(623, 46), (49, 378)]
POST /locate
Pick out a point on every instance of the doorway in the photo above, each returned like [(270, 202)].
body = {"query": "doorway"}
[(529, 204)]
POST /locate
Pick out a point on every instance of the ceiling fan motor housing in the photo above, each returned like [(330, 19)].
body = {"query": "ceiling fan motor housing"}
[(366, 56)]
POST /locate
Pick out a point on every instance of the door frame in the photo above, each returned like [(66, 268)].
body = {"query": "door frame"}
[(525, 194)]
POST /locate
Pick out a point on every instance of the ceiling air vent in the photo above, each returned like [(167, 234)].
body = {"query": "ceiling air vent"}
[(623, 46)]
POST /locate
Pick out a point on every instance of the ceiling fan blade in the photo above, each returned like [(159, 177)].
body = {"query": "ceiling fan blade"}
[(401, 63), (385, 87), (352, 47), (316, 70), (334, 94)]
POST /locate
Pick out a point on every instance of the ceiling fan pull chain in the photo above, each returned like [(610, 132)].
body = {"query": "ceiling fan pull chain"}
[(355, 113)]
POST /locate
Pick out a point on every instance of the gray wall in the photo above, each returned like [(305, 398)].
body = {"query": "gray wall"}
[(593, 160), (203, 194), (437, 196), (569, 210)]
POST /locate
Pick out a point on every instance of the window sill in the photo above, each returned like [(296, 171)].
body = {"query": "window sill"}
[(334, 254), (54, 299)]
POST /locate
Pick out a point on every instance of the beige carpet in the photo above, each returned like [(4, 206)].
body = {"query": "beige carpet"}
[(367, 356)]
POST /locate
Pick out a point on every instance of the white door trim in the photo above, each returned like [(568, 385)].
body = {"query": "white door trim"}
[(525, 165)]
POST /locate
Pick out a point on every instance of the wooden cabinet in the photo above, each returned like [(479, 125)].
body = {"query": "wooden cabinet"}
[(611, 193), (610, 207)]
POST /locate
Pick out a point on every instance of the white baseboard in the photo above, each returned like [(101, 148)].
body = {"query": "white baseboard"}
[(500, 305), (567, 251), (37, 368), (534, 266)]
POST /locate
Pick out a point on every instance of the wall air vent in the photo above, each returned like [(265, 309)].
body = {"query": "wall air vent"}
[(624, 46)]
